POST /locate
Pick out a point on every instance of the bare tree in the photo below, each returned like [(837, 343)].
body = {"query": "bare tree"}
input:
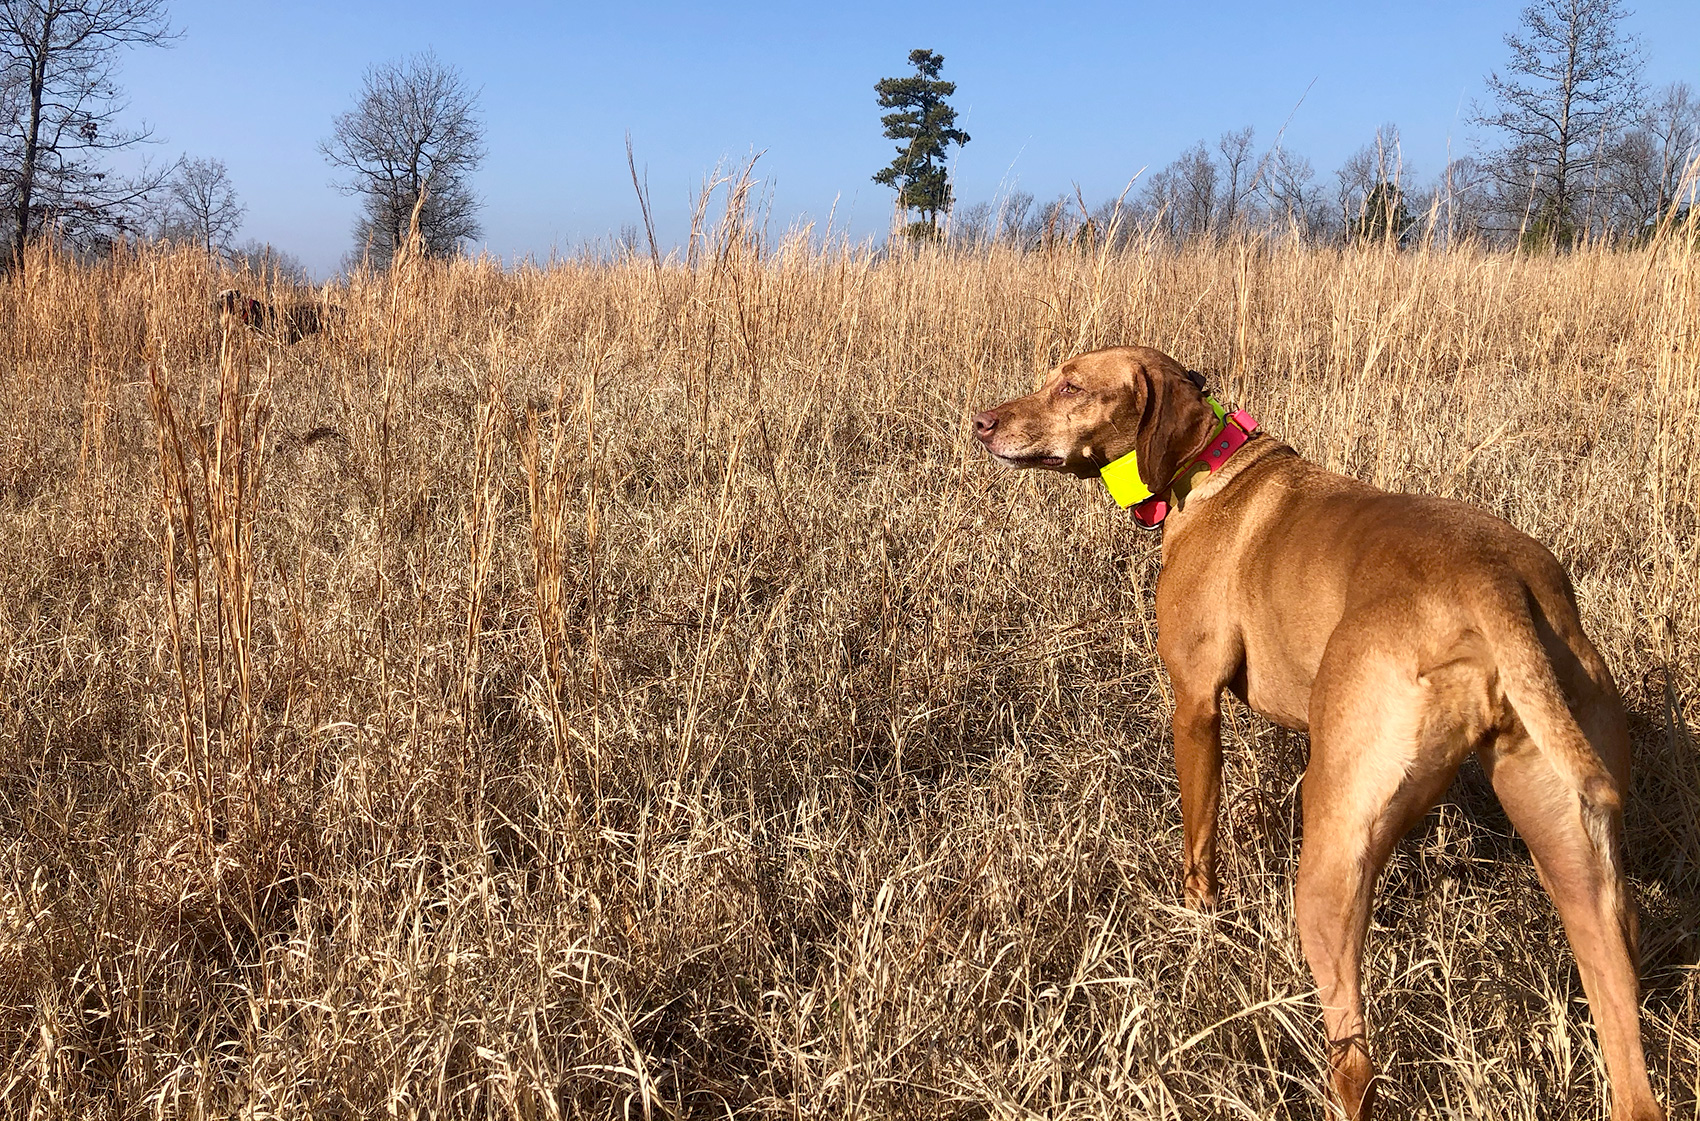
[(1465, 202), (1372, 179), (1235, 149), (203, 204), (1672, 121), (1014, 218), (1195, 174), (971, 226), (415, 134), (1633, 183), (12, 86), (59, 59), (1180, 200), (1356, 178), (269, 263), (1160, 204), (1647, 164), (1289, 181), (1571, 87), (1113, 221), (1054, 223)]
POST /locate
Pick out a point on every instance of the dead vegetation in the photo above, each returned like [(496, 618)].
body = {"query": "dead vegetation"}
[(620, 690)]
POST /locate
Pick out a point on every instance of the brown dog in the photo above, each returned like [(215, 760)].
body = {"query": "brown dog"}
[(1403, 633), (291, 322)]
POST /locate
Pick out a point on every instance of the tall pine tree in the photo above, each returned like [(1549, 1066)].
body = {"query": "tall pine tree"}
[(1384, 216), (925, 124)]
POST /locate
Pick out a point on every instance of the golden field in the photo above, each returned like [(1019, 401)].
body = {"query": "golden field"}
[(611, 689)]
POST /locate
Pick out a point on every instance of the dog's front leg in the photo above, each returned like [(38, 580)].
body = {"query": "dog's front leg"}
[(1198, 762)]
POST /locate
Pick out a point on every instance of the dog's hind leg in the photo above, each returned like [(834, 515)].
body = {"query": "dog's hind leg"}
[(1582, 872), (1385, 743)]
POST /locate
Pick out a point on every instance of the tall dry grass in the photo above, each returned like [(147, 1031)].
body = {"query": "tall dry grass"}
[(619, 690)]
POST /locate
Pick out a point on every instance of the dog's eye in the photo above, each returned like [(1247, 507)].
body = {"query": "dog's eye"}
[(1067, 388)]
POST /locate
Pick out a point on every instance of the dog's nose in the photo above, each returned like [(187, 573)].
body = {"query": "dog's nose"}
[(984, 423)]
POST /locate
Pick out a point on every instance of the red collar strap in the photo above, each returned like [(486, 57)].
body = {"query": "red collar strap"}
[(1237, 428)]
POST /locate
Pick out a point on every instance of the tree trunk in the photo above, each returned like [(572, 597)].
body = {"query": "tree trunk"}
[(32, 137), (1561, 180)]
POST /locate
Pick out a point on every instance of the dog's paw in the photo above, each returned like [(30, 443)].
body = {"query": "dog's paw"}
[(1200, 893)]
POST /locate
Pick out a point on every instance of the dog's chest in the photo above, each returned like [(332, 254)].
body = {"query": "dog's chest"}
[(1274, 692)]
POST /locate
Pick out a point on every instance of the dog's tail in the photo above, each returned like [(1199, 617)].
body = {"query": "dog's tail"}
[(1530, 684)]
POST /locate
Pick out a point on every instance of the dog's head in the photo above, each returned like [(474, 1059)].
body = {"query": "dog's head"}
[(1097, 407), (233, 303)]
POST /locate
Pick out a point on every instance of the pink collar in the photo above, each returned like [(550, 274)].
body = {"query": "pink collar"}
[(1237, 428)]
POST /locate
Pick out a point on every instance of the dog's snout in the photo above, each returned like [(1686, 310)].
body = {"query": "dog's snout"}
[(985, 423)]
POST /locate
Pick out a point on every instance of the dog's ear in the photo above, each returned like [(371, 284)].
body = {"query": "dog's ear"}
[(1174, 424)]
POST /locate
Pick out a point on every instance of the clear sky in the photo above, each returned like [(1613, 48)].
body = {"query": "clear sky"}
[(1052, 97)]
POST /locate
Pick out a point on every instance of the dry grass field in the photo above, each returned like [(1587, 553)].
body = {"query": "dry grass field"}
[(609, 690)]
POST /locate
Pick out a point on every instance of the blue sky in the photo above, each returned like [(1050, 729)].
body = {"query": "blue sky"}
[(1052, 98)]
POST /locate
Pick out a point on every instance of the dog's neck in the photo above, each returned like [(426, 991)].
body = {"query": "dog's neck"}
[(1197, 487), (1126, 477)]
